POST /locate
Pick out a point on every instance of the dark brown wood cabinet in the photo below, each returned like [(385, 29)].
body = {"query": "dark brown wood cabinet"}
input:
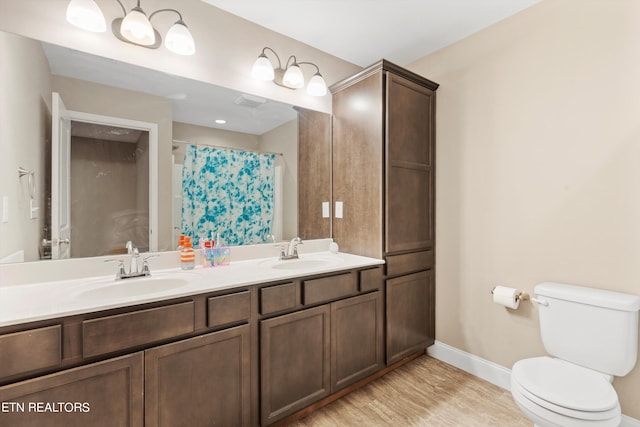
[(294, 362), (314, 186), (383, 153), (356, 339), (309, 354), (239, 357), (108, 393), (201, 381), (409, 312)]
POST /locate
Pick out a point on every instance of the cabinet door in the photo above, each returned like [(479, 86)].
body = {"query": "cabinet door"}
[(409, 206), (105, 394), (410, 314), (356, 339), (294, 362), (201, 381)]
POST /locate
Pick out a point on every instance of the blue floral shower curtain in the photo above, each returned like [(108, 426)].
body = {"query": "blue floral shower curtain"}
[(227, 193)]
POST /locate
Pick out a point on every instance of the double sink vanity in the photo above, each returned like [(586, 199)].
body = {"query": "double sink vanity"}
[(246, 344), (262, 340)]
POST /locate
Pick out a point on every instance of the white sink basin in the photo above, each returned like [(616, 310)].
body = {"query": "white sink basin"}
[(306, 263), (134, 287)]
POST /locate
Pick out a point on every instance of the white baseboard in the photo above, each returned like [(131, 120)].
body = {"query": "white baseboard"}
[(488, 371), (482, 368)]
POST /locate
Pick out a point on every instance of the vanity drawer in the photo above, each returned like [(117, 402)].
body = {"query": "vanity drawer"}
[(371, 279), (329, 288), (228, 309), (278, 298), (30, 350), (127, 330), (409, 263)]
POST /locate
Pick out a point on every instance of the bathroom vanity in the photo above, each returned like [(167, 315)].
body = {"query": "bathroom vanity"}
[(247, 344)]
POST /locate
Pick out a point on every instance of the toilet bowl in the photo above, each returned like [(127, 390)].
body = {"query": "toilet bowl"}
[(591, 336), (555, 393)]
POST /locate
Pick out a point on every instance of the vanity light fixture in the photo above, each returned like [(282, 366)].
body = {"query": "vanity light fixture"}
[(291, 76), (134, 27)]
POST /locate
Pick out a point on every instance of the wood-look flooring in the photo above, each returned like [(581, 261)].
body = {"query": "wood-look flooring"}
[(424, 392)]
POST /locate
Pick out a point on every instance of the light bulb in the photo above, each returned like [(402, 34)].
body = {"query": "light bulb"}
[(87, 15), (136, 28), (293, 77), (262, 69), (317, 86), (179, 40)]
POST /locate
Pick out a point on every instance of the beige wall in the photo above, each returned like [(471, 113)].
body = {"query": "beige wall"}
[(25, 123), (202, 135), (226, 45), (284, 139), (538, 147)]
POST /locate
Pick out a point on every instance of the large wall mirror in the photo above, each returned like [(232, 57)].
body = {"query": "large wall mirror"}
[(140, 142)]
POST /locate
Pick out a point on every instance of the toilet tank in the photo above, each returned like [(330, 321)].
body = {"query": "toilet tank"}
[(590, 327)]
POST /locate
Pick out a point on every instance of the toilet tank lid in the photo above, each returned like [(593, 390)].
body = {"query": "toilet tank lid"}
[(590, 296)]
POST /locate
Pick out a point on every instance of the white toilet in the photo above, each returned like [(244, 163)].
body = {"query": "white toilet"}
[(592, 335)]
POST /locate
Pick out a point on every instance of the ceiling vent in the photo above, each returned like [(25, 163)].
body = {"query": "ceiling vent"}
[(250, 101)]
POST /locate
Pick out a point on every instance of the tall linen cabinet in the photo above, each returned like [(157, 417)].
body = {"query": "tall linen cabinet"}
[(383, 163)]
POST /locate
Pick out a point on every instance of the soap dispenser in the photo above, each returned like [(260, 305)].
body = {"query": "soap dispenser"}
[(187, 255)]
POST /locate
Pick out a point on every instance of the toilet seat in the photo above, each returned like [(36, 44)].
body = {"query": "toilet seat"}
[(565, 389), (543, 417)]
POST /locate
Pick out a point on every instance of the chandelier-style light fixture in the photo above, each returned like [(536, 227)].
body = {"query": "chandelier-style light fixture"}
[(291, 76), (134, 27)]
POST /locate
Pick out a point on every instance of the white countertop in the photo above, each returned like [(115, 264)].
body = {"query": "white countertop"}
[(49, 300)]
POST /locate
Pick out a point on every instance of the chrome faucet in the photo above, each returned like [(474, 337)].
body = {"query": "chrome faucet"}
[(292, 249), (133, 266), (134, 270)]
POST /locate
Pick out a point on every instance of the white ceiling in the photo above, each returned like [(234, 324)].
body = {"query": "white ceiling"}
[(364, 31)]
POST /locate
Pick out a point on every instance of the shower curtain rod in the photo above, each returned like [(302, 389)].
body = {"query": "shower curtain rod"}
[(226, 148)]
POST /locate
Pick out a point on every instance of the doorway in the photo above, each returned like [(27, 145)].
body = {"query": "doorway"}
[(106, 189), (109, 189)]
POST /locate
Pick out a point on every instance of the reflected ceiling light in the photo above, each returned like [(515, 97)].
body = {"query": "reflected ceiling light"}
[(134, 27), (221, 121), (291, 76)]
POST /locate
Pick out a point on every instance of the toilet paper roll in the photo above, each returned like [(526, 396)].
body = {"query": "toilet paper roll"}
[(507, 297)]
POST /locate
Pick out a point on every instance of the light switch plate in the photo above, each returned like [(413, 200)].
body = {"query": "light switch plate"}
[(33, 209), (339, 213), (325, 210)]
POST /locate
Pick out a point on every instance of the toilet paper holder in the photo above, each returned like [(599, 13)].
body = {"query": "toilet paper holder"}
[(523, 296)]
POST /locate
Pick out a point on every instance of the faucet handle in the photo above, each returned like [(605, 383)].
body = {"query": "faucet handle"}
[(295, 247), (145, 264), (121, 271), (282, 251)]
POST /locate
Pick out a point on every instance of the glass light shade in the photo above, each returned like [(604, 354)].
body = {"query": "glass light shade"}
[(262, 69), (293, 77), (136, 28), (87, 15), (179, 40), (317, 86)]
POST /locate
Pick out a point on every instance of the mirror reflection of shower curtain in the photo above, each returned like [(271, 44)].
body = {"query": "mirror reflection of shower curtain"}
[(227, 193)]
